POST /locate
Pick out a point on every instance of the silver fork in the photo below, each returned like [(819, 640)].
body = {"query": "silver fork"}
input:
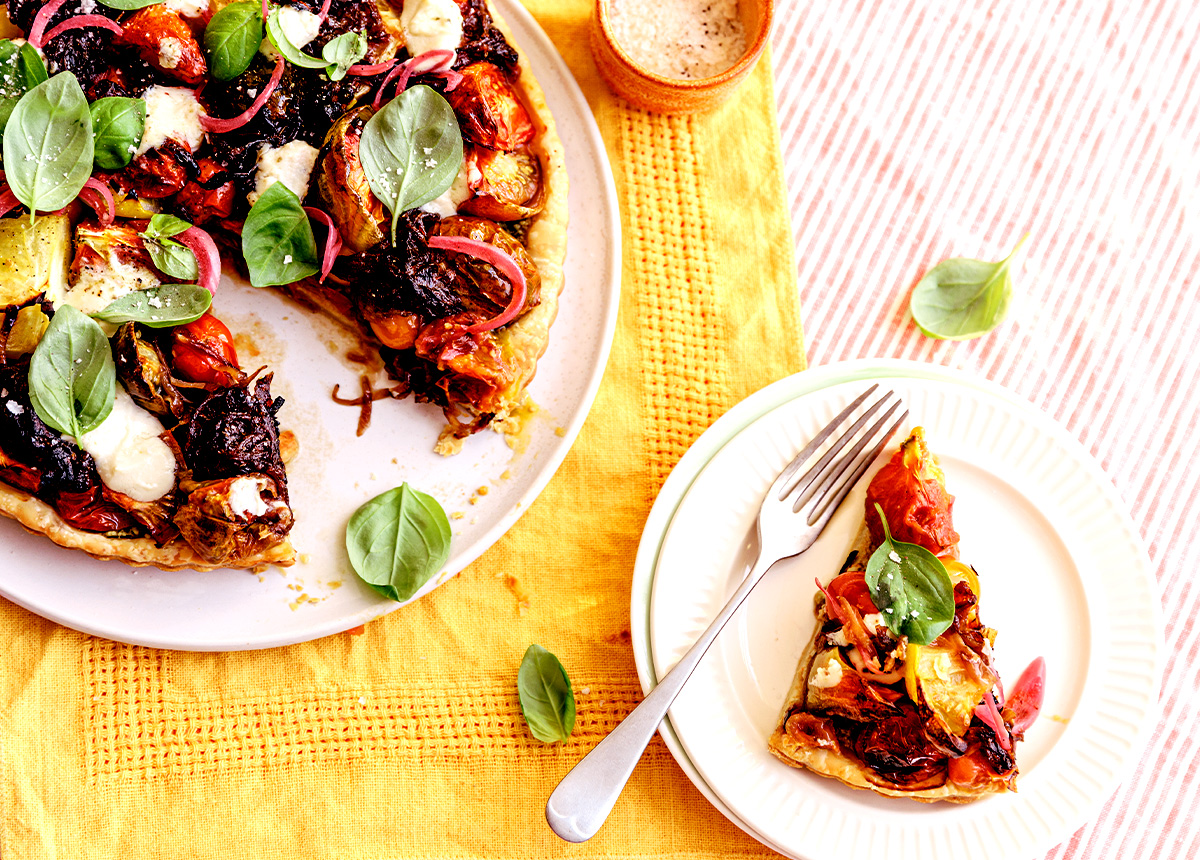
[(587, 794)]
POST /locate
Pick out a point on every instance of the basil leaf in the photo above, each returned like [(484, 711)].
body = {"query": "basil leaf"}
[(284, 45), (232, 37), (21, 69), (158, 307), (129, 4), (72, 378), (398, 541), (342, 52), (172, 258), (960, 298), (277, 239), (117, 126), (163, 226), (911, 588), (411, 150), (48, 144), (547, 701)]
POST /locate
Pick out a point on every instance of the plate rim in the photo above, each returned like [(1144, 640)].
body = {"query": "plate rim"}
[(745, 414)]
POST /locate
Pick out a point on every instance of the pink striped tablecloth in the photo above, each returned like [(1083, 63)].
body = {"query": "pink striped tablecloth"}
[(915, 130)]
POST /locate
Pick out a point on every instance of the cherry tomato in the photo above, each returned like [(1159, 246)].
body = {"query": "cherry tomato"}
[(1025, 698), (205, 204), (489, 110), (203, 351), (853, 587), (90, 512), (508, 185)]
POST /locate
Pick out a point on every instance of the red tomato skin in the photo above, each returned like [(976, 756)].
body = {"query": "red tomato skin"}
[(203, 351)]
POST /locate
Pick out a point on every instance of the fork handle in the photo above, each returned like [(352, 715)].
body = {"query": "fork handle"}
[(587, 794)]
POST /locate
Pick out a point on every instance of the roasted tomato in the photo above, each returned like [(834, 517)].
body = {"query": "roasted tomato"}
[(342, 184), (203, 351), (489, 109), (911, 489), (201, 203), (853, 587), (507, 185), (156, 174), (484, 288), (397, 330), (164, 40)]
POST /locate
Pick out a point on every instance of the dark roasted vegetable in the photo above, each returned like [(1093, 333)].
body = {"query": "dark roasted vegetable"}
[(212, 520), (342, 184), (143, 370), (234, 432)]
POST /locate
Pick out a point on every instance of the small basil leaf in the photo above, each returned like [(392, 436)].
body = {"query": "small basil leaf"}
[(232, 37), (117, 126), (72, 378), (172, 259), (163, 226), (911, 588), (342, 52), (398, 541), (960, 298), (32, 67), (48, 144), (129, 4), (284, 45), (159, 307), (411, 150), (277, 239), (547, 701)]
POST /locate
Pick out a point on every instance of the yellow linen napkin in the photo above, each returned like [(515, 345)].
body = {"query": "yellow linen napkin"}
[(407, 741)]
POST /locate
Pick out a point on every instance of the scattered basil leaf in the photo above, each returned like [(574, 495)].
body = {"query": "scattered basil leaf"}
[(72, 377), (172, 258), (48, 144), (164, 226), (129, 4), (411, 150), (342, 52), (398, 541), (158, 307), (911, 588), (284, 45), (117, 126), (960, 298), (547, 701), (21, 69), (232, 38), (277, 239)]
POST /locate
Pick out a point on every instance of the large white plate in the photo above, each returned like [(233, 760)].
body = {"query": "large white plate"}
[(1063, 573), (336, 472)]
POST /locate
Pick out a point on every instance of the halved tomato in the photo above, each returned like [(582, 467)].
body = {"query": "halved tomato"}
[(489, 110), (507, 185)]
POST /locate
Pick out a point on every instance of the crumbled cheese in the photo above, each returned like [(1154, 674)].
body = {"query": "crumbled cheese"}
[(299, 25), (189, 8), (129, 453), (827, 674), (170, 52), (874, 621), (431, 25), (292, 164), (682, 38), (838, 637), (448, 202), (245, 497), (94, 287), (171, 112), (894, 556)]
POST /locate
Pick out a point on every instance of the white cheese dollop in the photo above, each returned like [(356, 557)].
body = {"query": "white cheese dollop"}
[(129, 454), (448, 202), (188, 8), (171, 112), (431, 25), (170, 52), (874, 621), (93, 288), (292, 164), (245, 497), (827, 674)]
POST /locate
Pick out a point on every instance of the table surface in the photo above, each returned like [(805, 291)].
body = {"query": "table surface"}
[(916, 130)]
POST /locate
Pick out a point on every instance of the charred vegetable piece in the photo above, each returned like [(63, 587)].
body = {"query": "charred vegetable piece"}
[(343, 187), (509, 186), (482, 40), (142, 370), (234, 432), (231, 519), (164, 41), (911, 488), (156, 174), (200, 200), (27, 330), (155, 517), (203, 351), (34, 258), (489, 109), (60, 466), (482, 287)]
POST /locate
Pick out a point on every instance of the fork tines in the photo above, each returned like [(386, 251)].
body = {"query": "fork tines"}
[(857, 449)]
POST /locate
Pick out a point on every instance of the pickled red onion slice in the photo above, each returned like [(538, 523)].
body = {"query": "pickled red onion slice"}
[(333, 241), (37, 31), (437, 61), (208, 260), (223, 125), (108, 210), (989, 714), (84, 21), (370, 68), (1025, 701), (832, 608), (8, 201), (493, 256)]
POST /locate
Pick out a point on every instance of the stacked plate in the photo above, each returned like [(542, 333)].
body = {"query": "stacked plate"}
[(1063, 576)]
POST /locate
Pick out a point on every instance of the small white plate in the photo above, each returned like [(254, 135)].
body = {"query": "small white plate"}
[(336, 471), (1063, 576)]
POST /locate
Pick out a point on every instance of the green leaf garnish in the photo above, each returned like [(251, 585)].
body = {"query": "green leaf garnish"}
[(159, 307), (411, 150), (342, 52), (21, 69), (232, 38), (911, 588), (547, 701), (284, 46), (117, 126), (277, 239), (960, 299), (174, 259), (72, 377), (398, 541), (129, 4)]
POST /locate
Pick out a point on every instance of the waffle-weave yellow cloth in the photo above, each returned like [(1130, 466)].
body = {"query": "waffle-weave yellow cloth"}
[(407, 741)]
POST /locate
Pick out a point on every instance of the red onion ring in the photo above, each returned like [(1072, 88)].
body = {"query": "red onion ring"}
[(108, 212), (507, 267), (85, 21), (265, 10), (38, 30), (223, 125), (333, 240), (208, 260), (437, 61), (989, 714), (371, 68), (832, 609), (324, 13)]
